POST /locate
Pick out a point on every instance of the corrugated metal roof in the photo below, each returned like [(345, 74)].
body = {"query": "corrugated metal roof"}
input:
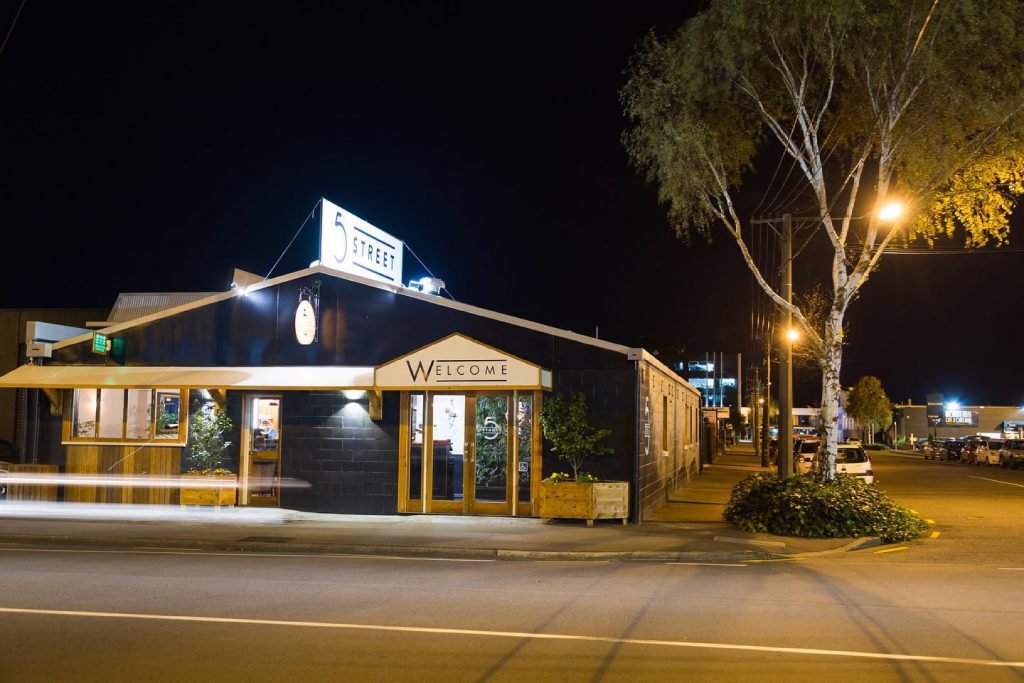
[(132, 305)]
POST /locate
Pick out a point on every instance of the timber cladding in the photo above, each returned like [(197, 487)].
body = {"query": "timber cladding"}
[(157, 461)]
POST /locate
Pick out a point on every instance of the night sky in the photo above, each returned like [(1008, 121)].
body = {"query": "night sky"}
[(155, 146)]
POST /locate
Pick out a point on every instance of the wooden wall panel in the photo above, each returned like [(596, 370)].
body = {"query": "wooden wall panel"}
[(32, 491), (154, 461)]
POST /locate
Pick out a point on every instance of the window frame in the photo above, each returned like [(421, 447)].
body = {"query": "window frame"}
[(68, 436)]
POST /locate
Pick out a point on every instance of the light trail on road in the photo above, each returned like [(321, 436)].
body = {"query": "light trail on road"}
[(520, 635)]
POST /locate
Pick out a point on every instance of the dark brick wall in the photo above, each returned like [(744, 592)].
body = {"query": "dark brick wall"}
[(610, 403), (350, 461)]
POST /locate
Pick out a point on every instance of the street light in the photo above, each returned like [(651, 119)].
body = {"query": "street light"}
[(892, 211), (793, 335)]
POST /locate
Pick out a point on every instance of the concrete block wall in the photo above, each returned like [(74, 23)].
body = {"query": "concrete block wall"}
[(350, 460), (669, 440)]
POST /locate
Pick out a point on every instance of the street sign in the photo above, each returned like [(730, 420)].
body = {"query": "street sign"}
[(100, 343)]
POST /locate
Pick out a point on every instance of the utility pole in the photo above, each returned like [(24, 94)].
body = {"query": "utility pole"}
[(766, 409), (755, 414), (786, 357)]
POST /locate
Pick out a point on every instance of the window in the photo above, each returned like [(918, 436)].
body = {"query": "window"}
[(131, 415)]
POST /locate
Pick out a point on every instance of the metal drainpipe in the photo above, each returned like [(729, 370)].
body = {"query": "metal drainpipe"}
[(35, 426), (21, 424)]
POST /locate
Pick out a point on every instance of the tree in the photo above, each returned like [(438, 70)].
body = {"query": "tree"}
[(868, 404), (869, 100), (572, 437)]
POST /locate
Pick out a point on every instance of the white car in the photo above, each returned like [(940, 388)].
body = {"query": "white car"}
[(805, 452), (988, 452), (853, 459)]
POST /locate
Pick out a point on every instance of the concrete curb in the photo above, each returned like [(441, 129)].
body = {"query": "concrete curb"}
[(856, 544), (432, 552)]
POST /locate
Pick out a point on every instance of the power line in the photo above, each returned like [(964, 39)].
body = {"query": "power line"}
[(11, 29)]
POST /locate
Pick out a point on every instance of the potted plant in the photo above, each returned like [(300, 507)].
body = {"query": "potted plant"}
[(207, 444), (574, 439)]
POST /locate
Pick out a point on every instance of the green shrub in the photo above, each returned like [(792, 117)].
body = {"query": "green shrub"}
[(801, 506)]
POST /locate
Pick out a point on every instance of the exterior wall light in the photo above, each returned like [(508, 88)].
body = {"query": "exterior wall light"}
[(354, 394)]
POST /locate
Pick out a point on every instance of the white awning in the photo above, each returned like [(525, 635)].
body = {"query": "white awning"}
[(311, 377)]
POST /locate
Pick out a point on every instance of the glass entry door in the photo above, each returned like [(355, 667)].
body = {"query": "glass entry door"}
[(468, 452), (261, 451)]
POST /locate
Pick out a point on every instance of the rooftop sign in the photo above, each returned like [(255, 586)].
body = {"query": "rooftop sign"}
[(351, 245)]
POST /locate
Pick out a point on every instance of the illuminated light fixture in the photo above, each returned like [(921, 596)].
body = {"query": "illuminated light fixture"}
[(761, 401), (953, 405), (893, 211), (354, 394), (428, 285), (793, 335)]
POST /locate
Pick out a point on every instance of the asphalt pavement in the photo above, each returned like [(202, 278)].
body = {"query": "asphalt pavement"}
[(944, 608), (689, 526)]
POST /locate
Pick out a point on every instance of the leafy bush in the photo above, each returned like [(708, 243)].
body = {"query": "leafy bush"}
[(801, 506)]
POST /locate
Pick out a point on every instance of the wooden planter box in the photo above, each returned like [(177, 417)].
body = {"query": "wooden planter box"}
[(210, 495), (597, 500)]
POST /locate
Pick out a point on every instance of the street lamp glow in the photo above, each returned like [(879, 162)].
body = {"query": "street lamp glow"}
[(793, 335), (893, 211)]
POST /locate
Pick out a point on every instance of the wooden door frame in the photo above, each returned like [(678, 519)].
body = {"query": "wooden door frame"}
[(468, 505), (245, 452)]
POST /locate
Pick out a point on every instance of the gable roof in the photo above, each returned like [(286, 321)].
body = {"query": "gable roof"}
[(399, 290)]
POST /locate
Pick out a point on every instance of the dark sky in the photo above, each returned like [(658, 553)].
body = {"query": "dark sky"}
[(155, 146)]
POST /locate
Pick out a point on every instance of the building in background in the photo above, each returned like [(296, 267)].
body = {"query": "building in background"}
[(15, 403), (717, 375), (948, 419)]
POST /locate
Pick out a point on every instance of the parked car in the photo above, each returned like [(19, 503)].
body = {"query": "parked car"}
[(1012, 454), (805, 452), (987, 452), (952, 449), (3, 484), (934, 449), (921, 444), (854, 441), (853, 459)]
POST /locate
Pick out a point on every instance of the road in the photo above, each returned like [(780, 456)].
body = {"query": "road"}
[(944, 609)]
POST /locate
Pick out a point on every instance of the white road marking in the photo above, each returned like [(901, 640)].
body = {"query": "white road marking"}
[(194, 553), (904, 455), (998, 481), (518, 635), (1012, 569), (708, 564)]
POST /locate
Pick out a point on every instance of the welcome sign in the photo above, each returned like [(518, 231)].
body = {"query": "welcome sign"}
[(458, 362), (351, 245)]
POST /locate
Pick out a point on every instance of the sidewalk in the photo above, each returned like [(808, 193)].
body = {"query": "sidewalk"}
[(689, 527)]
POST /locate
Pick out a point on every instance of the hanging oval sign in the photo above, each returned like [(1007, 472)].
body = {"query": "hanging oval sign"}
[(305, 323)]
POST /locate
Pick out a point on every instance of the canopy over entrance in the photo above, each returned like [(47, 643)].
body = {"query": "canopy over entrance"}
[(133, 377)]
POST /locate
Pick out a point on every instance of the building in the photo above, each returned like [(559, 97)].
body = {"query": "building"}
[(951, 420), (384, 399), (15, 405), (717, 375)]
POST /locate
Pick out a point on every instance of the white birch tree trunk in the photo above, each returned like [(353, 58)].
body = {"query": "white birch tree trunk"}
[(831, 363)]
